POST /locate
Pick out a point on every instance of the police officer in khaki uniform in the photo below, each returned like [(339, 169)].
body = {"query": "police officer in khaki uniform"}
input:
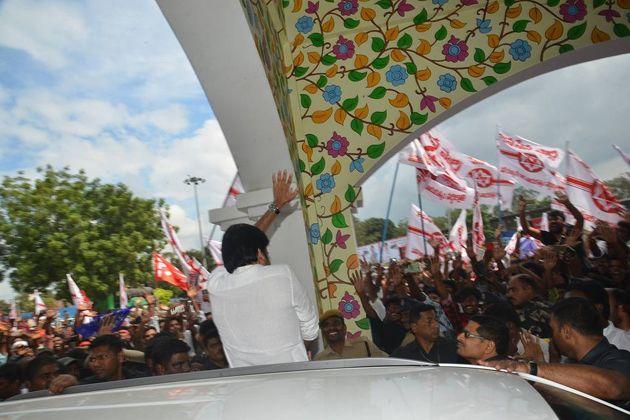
[(337, 345)]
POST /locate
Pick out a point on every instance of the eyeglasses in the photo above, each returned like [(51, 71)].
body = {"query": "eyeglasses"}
[(468, 334)]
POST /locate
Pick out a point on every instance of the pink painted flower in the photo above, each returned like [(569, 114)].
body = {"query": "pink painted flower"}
[(573, 10), (337, 145), (343, 49), (352, 336), (348, 7), (312, 7), (609, 14), (340, 240), (455, 50), (428, 101), (349, 307), (404, 7)]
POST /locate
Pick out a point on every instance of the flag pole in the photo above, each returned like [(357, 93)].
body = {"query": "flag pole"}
[(424, 232), (499, 181), (389, 207)]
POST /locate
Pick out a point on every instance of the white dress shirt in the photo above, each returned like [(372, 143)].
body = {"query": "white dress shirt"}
[(263, 314), (617, 336)]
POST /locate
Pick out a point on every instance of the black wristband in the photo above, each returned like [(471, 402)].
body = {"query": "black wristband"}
[(533, 368)]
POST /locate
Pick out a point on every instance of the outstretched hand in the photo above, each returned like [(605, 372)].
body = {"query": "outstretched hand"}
[(283, 193)]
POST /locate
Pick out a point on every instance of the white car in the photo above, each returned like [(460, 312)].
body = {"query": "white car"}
[(364, 389)]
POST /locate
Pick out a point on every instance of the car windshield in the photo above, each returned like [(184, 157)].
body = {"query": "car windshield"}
[(568, 405)]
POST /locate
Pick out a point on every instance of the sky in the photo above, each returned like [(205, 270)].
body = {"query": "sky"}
[(106, 87)]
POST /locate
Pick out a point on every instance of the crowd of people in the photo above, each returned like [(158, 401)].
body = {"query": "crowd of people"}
[(560, 313)]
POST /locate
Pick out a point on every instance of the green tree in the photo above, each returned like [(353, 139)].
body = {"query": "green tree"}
[(371, 230), (620, 186), (163, 295), (62, 222)]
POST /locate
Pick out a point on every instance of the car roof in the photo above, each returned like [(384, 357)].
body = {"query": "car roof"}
[(368, 389)]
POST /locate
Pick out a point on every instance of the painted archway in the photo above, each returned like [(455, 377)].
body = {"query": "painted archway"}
[(354, 80)]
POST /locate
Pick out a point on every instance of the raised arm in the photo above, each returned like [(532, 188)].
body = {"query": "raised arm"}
[(283, 194), (579, 219), (527, 229)]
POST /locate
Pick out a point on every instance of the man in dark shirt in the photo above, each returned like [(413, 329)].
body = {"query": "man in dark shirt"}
[(105, 361), (522, 292), (428, 345), (596, 367), (210, 344)]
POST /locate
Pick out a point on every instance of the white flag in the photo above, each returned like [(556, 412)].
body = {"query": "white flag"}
[(436, 180), (77, 296), (532, 165), (236, 188), (215, 251), (421, 228), (589, 194), (544, 222), (13, 314), (478, 237), (39, 303), (625, 157), (122, 291), (481, 175), (459, 234), (192, 268)]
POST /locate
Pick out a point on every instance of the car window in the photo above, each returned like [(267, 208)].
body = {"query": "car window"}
[(568, 405)]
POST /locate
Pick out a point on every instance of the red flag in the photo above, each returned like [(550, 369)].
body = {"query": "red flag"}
[(478, 237), (167, 272)]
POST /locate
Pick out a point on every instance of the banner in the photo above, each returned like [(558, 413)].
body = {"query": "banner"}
[(481, 175), (435, 178), (417, 234), (236, 188), (459, 235), (122, 291), (589, 194), (167, 272), (391, 250), (78, 296), (478, 237), (532, 165)]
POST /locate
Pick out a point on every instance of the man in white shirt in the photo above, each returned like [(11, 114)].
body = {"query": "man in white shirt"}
[(262, 311)]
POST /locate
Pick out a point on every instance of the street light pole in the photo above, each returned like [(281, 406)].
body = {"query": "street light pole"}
[(194, 181)]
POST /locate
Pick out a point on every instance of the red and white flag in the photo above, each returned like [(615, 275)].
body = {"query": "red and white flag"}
[(164, 271), (478, 237), (589, 194), (195, 272), (421, 228), (78, 296), (459, 235), (532, 165), (235, 189), (39, 303), (481, 175), (215, 251), (435, 178), (122, 290)]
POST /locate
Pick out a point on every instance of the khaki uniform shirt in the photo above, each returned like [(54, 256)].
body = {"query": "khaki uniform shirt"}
[(352, 349)]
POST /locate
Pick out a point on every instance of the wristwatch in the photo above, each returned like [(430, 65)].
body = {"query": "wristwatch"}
[(533, 368), (274, 208)]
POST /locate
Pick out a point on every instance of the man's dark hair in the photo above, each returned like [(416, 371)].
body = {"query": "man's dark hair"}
[(557, 214), (164, 349), (594, 292), (504, 312), (208, 330), (37, 363), (416, 311), (495, 330), (527, 280), (240, 246), (466, 292), (579, 314), (112, 341)]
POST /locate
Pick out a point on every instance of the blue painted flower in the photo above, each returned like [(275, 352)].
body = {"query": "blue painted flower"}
[(314, 233), (396, 75), (447, 83), (440, 2), (484, 25), (332, 94), (325, 183), (304, 24), (520, 50), (357, 165)]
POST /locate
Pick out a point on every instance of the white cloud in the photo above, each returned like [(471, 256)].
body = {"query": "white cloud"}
[(172, 119), (46, 30)]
